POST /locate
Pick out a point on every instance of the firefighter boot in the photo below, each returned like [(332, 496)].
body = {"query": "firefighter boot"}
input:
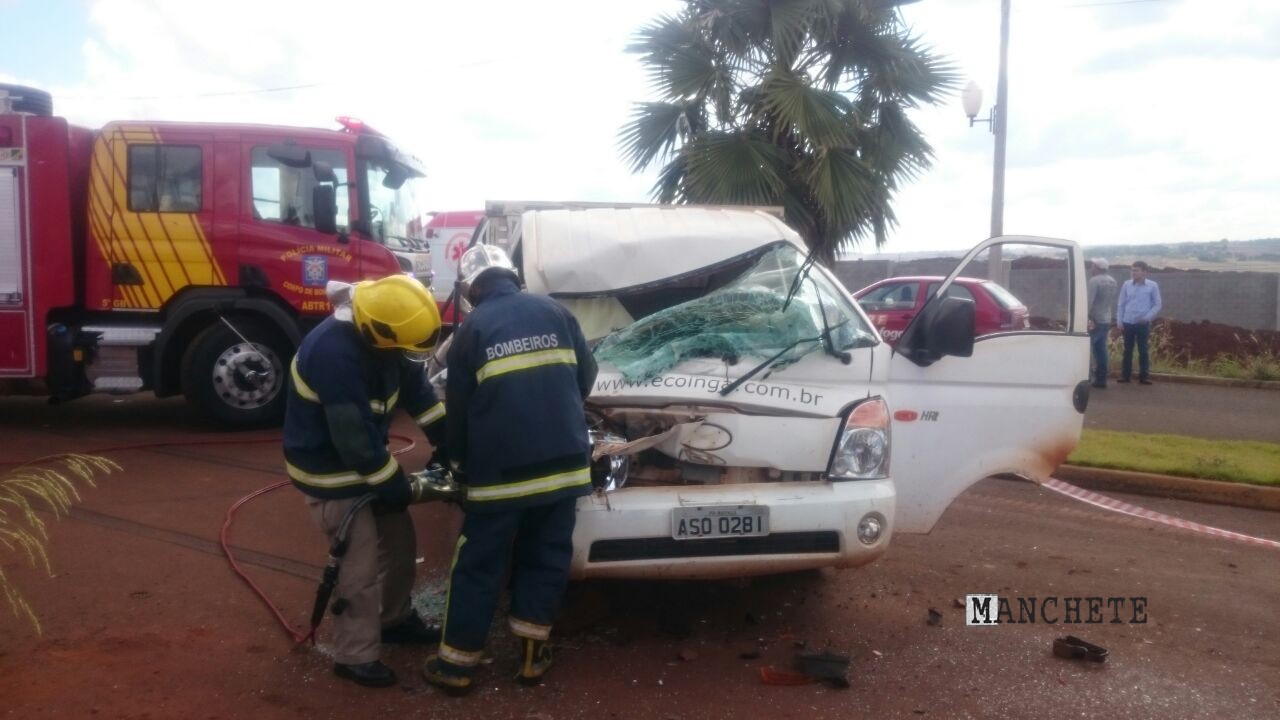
[(447, 678), (535, 660), (370, 674), (411, 631)]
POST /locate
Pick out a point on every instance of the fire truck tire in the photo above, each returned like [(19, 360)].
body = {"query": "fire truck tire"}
[(29, 100), (237, 383)]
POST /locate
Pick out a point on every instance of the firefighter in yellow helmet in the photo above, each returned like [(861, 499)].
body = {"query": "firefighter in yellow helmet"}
[(348, 377)]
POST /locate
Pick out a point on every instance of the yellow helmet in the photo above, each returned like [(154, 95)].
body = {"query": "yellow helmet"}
[(396, 312)]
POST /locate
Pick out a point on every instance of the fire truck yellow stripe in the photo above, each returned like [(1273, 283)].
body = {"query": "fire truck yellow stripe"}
[(165, 230), (98, 227), (144, 243), (186, 236), (121, 243), (186, 245), (215, 271), (101, 206), (167, 265), (122, 248), (177, 249)]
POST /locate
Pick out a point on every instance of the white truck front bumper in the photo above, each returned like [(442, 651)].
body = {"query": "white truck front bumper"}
[(628, 533)]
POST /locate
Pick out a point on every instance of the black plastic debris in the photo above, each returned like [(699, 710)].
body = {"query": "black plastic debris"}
[(830, 668), (1073, 648)]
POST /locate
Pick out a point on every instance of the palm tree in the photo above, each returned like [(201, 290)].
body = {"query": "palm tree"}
[(797, 103)]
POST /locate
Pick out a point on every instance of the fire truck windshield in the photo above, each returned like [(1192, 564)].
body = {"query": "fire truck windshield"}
[(394, 210)]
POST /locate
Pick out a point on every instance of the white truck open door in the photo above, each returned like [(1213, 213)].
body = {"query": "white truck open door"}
[(1016, 404)]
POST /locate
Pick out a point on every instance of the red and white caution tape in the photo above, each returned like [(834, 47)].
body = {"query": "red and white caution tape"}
[(1125, 508)]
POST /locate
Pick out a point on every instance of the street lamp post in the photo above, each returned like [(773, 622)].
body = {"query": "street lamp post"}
[(998, 122)]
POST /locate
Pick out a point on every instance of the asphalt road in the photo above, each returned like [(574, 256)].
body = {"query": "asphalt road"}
[(1182, 409), (142, 618)]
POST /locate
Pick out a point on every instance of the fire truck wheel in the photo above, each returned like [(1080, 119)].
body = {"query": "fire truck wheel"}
[(29, 99), (238, 383)]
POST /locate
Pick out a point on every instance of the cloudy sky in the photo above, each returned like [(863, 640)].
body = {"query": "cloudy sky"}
[(1130, 120)]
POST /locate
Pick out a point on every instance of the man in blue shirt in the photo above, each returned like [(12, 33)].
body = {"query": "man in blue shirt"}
[(1137, 307)]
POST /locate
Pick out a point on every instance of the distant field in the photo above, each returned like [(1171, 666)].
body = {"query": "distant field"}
[(1191, 263)]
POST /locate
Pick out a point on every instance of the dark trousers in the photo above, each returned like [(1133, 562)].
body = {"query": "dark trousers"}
[(536, 543), (1098, 344), (1139, 333)]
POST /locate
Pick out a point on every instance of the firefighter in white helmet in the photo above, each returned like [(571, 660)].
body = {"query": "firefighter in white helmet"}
[(348, 377), (518, 372)]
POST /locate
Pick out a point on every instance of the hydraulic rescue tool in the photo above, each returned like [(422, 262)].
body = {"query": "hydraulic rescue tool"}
[(435, 483)]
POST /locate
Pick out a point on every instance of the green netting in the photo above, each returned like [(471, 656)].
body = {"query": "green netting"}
[(734, 322)]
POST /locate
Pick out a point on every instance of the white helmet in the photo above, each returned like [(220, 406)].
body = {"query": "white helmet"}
[(473, 264), (480, 258)]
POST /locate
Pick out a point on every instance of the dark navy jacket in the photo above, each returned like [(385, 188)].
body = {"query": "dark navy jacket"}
[(519, 370), (341, 397)]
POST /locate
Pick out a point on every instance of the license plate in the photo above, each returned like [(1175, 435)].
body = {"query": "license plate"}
[(716, 521), (421, 263)]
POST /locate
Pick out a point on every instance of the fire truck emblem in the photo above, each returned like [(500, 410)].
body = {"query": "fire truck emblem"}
[(315, 270)]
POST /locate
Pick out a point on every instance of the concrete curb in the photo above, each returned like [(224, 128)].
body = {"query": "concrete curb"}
[(1254, 497), (1214, 381)]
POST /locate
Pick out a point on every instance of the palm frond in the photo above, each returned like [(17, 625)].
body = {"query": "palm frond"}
[(662, 37), (670, 186), (821, 116), (653, 132), (894, 146), (845, 187), (733, 168), (912, 74), (789, 28), (738, 26), (44, 485)]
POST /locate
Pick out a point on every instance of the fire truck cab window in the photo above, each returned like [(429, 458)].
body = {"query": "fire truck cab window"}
[(283, 194), (165, 178)]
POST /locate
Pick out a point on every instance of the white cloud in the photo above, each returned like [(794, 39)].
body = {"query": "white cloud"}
[(1131, 123), (1172, 145)]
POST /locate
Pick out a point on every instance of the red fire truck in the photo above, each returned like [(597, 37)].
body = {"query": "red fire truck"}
[(186, 258)]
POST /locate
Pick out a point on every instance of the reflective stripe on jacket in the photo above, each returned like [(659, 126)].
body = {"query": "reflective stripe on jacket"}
[(341, 398), (519, 370)]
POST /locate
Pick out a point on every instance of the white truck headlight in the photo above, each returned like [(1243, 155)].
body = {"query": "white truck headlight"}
[(862, 449)]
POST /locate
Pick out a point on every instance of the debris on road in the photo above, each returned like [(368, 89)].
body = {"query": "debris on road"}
[(1073, 648), (830, 668), (774, 676), (935, 616)]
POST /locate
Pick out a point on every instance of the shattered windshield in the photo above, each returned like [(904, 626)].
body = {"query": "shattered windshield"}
[(749, 317)]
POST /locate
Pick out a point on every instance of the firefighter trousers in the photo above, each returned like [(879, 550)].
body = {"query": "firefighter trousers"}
[(375, 579), (536, 543)]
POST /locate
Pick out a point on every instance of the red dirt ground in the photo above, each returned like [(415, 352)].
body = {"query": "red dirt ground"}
[(143, 620)]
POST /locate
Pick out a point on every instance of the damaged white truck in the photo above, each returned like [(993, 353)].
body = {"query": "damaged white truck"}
[(747, 417)]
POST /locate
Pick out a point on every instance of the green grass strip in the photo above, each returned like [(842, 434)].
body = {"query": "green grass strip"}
[(1243, 461)]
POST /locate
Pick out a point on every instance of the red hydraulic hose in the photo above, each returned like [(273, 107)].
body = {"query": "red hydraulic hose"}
[(225, 532)]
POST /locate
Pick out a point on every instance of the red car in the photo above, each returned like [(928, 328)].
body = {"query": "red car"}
[(892, 302)]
